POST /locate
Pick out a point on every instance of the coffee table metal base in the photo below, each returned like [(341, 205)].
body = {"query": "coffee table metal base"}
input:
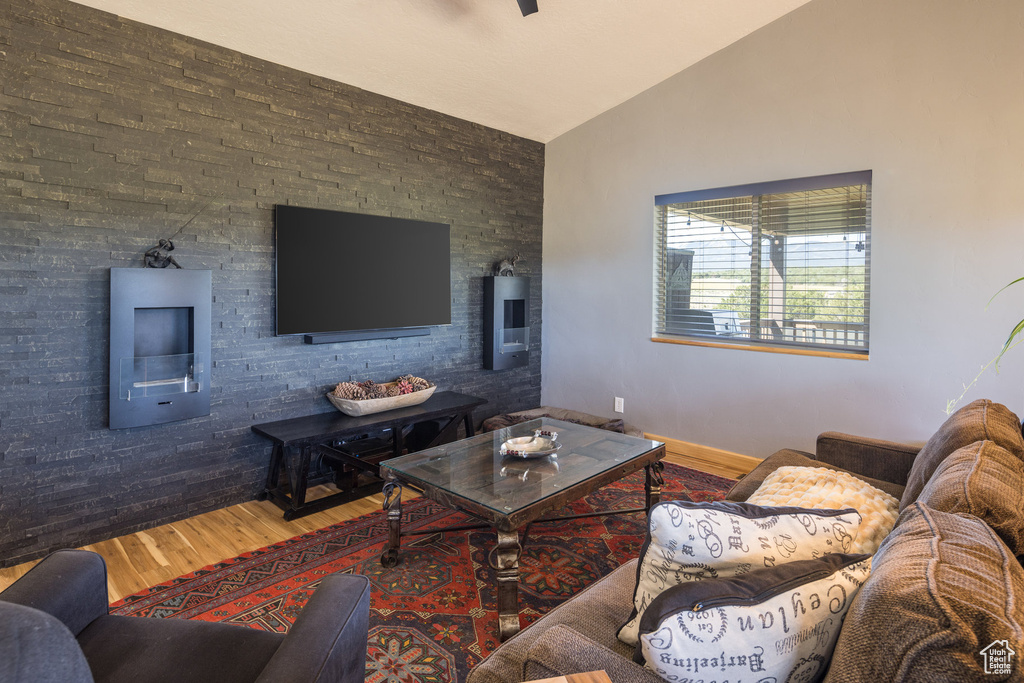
[(509, 548), (507, 568)]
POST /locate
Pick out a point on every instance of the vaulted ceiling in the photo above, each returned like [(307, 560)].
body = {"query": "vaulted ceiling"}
[(536, 76)]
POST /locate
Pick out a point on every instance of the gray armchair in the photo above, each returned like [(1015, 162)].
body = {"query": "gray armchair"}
[(55, 626)]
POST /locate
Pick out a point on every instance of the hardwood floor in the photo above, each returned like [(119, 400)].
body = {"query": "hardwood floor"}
[(145, 558)]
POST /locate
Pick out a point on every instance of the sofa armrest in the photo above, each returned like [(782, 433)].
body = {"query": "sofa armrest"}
[(327, 642), (886, 460), (70, 585), (564, 651)]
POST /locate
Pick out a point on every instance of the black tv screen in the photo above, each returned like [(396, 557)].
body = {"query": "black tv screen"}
[(340, 271)]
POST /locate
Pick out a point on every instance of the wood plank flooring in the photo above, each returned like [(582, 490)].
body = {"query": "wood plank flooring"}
[(145, 558)]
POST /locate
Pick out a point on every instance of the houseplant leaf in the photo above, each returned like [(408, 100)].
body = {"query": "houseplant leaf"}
[(1013, 333), (1020, 279), (1010, 341)]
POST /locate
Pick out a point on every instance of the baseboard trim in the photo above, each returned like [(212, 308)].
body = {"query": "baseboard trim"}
[(706, 458)]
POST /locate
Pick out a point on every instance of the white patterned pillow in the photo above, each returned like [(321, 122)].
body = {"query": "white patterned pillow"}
[(820, 487), (689, 541), (778, 624)]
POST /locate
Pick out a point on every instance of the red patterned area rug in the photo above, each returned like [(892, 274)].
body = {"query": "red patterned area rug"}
[(434, 616)]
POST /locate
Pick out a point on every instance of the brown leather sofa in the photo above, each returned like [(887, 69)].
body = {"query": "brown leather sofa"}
[(944, 585)]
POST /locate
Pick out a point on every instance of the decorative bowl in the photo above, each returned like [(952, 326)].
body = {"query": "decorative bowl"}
[(369, 406), (536, 446)]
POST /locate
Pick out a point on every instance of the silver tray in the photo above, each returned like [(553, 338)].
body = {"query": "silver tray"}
[(530, 447)]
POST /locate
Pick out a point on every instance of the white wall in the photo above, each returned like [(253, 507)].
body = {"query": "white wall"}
[(929, 94)]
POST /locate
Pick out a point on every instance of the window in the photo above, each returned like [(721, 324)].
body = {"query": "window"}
[(779, 265)]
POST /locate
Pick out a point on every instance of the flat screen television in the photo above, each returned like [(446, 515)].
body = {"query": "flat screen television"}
[(341, 272)]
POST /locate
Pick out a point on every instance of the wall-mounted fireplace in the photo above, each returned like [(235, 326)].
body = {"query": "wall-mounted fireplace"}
[(159, 345), (506, 322)]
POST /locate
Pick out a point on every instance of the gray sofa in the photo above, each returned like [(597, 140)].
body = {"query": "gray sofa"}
[(55, 627), (944, 585)]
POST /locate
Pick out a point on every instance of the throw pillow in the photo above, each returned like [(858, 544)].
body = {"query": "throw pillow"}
[(978, 421), (943, 589), (689, 541), (986, 481), (821, 487), (778, 624)]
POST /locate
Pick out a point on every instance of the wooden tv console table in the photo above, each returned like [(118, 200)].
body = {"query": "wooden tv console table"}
[(298, 440)]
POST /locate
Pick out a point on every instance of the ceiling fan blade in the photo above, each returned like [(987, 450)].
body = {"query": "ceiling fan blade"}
[(527, 6)]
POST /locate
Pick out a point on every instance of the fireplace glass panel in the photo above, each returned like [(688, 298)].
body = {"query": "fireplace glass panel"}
[(514, 339), (161, 375)]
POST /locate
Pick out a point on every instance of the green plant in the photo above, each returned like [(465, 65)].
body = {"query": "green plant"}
[(1018, 328), (1011, 341)]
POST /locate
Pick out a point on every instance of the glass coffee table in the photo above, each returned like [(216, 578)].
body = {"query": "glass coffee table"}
[(507, 492)]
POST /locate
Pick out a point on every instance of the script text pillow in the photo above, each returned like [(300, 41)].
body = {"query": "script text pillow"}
[(689, 541), (820, 487), (778, 624)]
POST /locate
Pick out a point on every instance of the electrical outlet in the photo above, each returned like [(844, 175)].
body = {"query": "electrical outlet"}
[(620, 406)]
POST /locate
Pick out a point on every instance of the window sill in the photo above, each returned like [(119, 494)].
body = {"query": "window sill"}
[(763, 349)]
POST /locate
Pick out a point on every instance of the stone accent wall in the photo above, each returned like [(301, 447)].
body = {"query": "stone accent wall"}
[(114, 134)]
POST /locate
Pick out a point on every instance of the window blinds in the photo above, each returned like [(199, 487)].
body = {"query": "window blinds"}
[(785, 263)]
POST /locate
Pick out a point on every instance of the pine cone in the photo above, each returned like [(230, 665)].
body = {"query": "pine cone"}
[(368, 384), (376, 391), (404, 387), (393, 390), (418, 383), (350, 391)]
